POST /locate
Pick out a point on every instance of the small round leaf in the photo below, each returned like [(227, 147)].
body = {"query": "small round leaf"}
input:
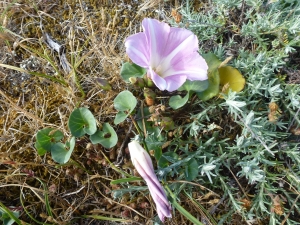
[(82, 122), (107, 137), (177, 101), (120, 117), (46, 138), (125, 101), (61, 153)]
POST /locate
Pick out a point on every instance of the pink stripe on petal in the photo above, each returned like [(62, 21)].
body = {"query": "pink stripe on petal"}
[(157, 36), (151, 180), (162, 204), (179, 35), (138, 50), (193, 66), (157, 191), (179, 52)]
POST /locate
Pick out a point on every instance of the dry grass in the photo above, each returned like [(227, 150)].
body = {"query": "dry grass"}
[(92, 33)]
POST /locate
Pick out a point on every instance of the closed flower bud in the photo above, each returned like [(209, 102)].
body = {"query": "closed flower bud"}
[(143, 164), (148, 81), (137, 81), (103, 84), (149, 96)]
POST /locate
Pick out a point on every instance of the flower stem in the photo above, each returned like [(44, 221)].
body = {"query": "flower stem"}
[(180, 208)]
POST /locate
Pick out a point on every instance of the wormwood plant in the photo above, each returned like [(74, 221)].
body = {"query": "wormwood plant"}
[(257, 166)]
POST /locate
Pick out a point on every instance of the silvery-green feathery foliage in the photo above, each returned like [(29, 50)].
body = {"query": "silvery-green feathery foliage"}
[(243, 144)]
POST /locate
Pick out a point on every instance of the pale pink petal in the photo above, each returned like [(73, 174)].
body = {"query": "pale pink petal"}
[(157, 80), (151, 180), (193, 66), (177, 36), (157, 191), (163, 211), (142, 162), (157, 34), (182, 43), (137, 49), (162, 203), (174, 82)]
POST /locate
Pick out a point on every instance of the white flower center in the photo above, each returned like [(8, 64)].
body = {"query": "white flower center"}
[(158, 70)]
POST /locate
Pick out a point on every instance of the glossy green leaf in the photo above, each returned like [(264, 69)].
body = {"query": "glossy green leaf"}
[(82, 122), (131, 70), (107, 137), (177, 101), (213, 88), (191, 169), (46, 138), (61, 153), (212, 61)]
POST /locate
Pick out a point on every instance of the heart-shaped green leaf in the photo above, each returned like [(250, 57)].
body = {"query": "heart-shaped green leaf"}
[(125, 102), (131, 70), (46, 138), (82, 122), (61, 153), (213, 88), (177, 101), (107, 137), (120, 117)]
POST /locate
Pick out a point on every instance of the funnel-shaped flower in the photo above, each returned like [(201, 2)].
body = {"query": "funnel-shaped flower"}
[(169, 54), (143, 164)]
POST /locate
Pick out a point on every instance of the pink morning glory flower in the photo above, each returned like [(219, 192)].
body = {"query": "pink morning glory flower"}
[(169, 54), (143, 164)]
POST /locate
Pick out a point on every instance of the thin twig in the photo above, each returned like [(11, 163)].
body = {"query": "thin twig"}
[(121, 150)]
